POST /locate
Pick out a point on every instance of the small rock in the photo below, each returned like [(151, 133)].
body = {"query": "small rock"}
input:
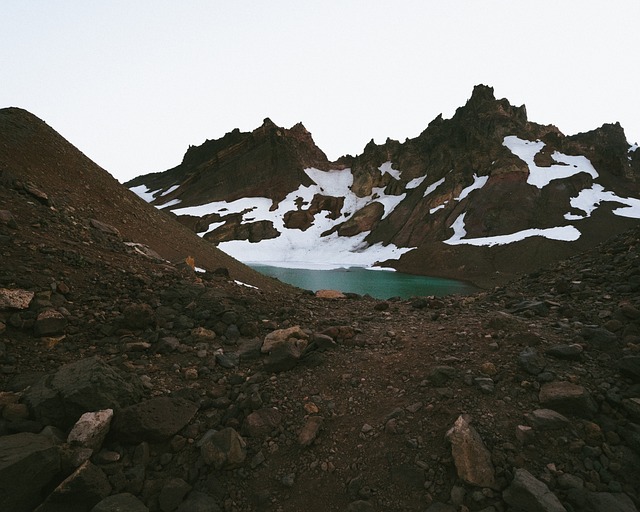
[(225, 449), (546, 419), (330, 294), (310, 430), (261, 422), (564, 351)]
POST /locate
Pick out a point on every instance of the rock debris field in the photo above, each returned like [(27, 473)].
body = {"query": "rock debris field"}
[(132, 383)]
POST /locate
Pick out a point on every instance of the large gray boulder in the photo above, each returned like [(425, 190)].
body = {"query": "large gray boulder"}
[(60, 399), (153, 420), (80, 491), (528, 494), (28, 462)]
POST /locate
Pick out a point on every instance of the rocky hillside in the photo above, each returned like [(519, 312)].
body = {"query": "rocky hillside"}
[(37, 156), (484, 196), (128, 382)]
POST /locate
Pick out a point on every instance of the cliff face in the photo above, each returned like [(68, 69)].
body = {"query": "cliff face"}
[(484, 195)]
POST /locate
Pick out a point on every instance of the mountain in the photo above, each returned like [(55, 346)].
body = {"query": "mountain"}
[(132, 382), (483, 196), (34, 153)]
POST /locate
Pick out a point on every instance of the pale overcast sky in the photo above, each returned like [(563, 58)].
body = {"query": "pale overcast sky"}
[(133, 83)]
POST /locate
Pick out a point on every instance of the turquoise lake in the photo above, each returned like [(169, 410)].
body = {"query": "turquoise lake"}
[(378, 284)]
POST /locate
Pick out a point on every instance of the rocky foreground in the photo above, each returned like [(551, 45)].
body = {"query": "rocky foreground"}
[(132, 383)]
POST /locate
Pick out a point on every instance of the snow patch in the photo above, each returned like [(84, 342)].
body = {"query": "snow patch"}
[(240, 283), (387, 168), (433, 210), (589, 199), (541, 176), (433, 186), (171, 203), (143, 192), (415, 183), (169, 190), (632, 148), (562, 233), (478, 183), (213, 226)]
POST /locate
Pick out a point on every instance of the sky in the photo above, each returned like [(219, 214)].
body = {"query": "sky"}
[(134, 83)]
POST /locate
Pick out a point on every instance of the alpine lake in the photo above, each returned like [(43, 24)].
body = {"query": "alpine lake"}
[(379, 284)]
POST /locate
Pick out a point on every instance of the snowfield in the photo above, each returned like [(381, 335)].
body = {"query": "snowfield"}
[(307, 249)]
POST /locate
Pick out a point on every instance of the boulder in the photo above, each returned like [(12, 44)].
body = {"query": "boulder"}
[(586, 501), (470, 455), (283, 357), (531, 361), (49, 323), (28, 463), (261, 422), (15, 298), (123, 502), (199, 502), (571, 352), (91, 429), (546, 419), (172, 494), (528, 494), (630, 367), (567, 398), (139, 316), (86, 385), (153, 420), (291, 336), (224, 449), (7, 219), (80, 492)]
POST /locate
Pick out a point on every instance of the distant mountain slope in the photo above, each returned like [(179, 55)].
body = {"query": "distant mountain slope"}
[(30, 150), (483, 196)]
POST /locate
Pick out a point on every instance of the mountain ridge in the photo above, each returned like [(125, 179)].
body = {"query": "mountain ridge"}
[(401, 201)]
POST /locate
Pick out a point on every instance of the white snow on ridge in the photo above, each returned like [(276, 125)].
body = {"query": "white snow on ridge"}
[(542, 176), (478, 183), (306, 249), (433, 187), (387, 168), (173, 202), (143, 192), (169, 190), (563, 233), (589, 199), (415, 183), (633, 148)]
